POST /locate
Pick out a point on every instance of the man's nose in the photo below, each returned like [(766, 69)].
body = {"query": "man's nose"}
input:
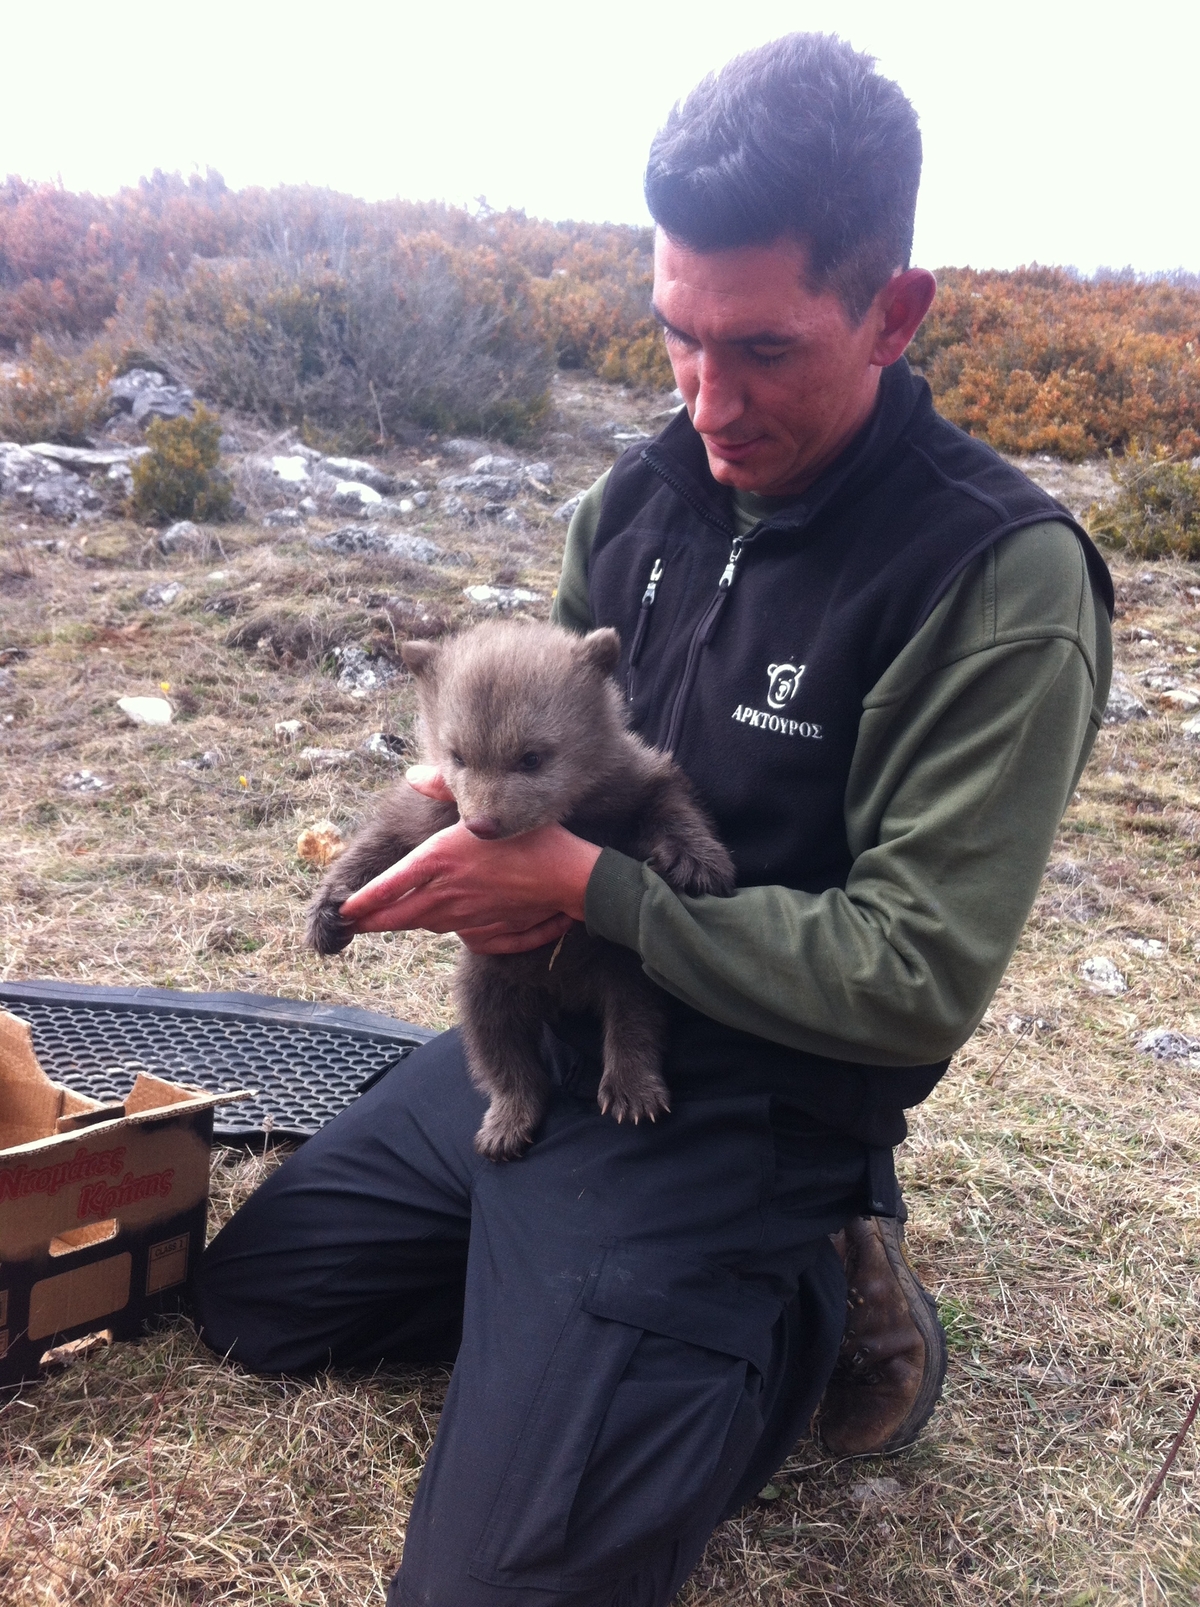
[(719, 399)]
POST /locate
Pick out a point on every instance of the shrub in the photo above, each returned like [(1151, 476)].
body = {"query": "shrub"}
[(54, 395), (421, 333), (178, 477), (1156, 512)]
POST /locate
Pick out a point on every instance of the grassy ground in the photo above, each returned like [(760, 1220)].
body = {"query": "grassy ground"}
[(1052, 1179)]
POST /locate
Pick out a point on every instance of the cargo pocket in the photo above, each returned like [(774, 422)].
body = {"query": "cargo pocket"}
[(652, 1387)]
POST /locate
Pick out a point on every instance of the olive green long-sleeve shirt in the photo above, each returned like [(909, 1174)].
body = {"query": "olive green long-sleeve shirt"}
[(968, 752)]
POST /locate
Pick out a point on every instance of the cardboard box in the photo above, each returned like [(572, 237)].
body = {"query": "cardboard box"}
[(102, 1207)]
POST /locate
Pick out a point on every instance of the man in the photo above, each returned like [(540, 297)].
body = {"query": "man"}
[(882, 656)]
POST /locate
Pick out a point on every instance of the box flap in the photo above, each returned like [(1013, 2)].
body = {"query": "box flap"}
[(30, 1104)]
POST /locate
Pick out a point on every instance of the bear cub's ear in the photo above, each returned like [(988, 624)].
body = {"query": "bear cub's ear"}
[(421, 657), (602, 649)]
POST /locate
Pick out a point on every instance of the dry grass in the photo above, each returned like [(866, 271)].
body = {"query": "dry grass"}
[(1052, 1179)]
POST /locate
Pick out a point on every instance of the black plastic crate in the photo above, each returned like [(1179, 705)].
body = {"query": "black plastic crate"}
[(305, 1061)]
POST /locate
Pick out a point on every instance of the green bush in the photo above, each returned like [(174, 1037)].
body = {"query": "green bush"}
[(1156, 512), (178, 477)]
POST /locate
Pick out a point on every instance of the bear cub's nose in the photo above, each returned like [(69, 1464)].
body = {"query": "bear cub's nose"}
[(483, 826)]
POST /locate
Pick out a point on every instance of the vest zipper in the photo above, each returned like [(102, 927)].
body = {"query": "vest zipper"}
[(639, 635), (701, 637)]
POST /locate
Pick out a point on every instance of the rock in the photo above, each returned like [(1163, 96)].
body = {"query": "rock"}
[(185, 537), (354, 494), (307, 507), (489, 463), (385, 747), (1123, 702), (326, 758), (63, 496), (1102, 976), (406, 504), (1150, 948), (208, 760), (162, 401), (84, 781), (288, 730), (86, 458), (162, 595), (361, 472), (566, 510), (1191, 728), (500, 598), (1182, 698), (291, 470), (491, 485), (359, 673), (421, 499), (228, 442), (540, 475), (460, 448), (512, 520), (321, 843), (126, 388), (146, 710), (1164, 1044), (37, 481), (284, 518), (359, 538)]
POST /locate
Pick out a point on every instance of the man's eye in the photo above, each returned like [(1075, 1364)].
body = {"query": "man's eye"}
[(769, 356), (456, 758), (529, 761)]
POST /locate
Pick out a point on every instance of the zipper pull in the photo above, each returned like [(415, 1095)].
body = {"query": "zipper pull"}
[(652, 587), (735, 552)]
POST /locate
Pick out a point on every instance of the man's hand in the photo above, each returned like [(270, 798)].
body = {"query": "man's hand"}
[(503, 896)]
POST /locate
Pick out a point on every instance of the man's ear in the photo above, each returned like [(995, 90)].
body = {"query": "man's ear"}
[(421, 657), (602, 649), (900, 306)]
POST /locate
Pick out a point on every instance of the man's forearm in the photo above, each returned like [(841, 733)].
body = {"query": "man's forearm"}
[(898, 967)]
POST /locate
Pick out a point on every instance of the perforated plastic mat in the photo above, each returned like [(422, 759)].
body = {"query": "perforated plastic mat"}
[(304, 1061)]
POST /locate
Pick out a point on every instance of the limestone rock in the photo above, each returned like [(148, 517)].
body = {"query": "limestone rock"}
[(500, 598), (1102, 976), (163, 402), (355, 494), (126, 388), (146, 710), (1123, 702), (386, 748), (162, 595)]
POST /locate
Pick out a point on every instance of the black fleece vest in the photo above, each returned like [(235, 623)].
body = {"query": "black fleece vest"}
[(749, 659)]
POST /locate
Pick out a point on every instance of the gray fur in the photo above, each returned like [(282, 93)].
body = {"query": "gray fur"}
[(491, 697)]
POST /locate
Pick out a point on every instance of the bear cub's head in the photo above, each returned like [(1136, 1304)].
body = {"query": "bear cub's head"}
[(522, 719)]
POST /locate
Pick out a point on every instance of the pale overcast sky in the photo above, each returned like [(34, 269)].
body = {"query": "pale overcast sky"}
[(1055, 131)]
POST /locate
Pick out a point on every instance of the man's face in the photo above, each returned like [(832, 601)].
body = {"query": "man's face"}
[(776, 379)]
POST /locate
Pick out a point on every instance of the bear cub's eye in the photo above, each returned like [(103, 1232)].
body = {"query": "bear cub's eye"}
[(529, 761)]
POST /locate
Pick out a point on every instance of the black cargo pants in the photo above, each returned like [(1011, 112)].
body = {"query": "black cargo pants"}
[(641, 1319)]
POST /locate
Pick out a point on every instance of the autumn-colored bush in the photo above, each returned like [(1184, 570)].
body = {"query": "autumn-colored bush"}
[(1156, 512), (178, 477), (54, 395), (301, 304), (1040, 360)]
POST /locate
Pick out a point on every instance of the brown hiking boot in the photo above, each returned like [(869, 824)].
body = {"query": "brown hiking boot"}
[(892, 1362)]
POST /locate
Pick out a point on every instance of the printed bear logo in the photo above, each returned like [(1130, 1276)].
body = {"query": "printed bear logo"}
[(783, 680)]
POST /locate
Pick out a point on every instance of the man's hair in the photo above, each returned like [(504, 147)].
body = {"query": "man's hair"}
[(799, 138)]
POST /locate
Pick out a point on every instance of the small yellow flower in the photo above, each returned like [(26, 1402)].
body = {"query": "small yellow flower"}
[(165, 685), (243, 781)]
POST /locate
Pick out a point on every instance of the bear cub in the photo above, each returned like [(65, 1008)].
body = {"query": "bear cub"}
[(527, 728)]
